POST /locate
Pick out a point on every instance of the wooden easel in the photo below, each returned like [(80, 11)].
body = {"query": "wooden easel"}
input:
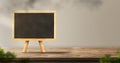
[(42, 49)]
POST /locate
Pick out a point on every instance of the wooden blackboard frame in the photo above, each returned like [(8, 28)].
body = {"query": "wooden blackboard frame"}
[(33, 11)]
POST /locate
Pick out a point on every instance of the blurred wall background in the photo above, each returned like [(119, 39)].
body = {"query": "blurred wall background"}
[(80, 23)]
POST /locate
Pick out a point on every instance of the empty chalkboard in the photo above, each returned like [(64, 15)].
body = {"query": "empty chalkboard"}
[(34, 25)]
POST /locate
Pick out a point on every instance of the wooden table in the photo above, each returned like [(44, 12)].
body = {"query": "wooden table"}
[(74, 52)]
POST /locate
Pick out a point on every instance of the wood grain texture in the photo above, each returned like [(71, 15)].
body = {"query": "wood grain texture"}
[(74, 52)]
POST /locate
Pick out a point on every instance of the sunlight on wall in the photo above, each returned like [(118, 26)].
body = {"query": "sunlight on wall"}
[(80, 23)]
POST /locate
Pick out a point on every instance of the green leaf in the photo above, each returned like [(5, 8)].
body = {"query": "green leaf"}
[(105, 59), (10, 55), (118, 54)]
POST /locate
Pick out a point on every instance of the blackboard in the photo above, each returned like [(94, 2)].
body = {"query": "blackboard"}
[(34, 25)]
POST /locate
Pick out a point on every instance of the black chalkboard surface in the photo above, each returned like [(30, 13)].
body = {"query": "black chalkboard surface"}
[(34, 25)]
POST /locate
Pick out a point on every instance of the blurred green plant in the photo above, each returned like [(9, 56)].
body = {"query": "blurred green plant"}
[(7, 55), (107, 58)]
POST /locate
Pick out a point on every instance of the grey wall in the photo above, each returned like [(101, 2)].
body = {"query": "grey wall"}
[(80, 23)]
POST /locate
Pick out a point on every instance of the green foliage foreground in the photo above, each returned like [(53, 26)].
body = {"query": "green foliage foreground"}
[(108, 59), (6, 55)]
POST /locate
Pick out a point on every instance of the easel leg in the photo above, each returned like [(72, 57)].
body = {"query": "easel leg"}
[(41, 46), (25, 46)]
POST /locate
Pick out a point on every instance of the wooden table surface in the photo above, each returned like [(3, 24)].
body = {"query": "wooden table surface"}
[(74, 52)]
